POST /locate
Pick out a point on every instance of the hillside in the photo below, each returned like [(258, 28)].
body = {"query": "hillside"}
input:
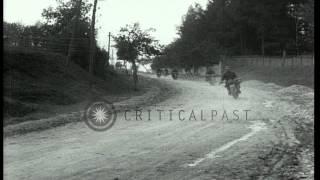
[(37, 84)]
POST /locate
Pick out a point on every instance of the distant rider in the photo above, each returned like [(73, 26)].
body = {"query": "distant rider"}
[(166, 72), (228, 76), (174, 71)]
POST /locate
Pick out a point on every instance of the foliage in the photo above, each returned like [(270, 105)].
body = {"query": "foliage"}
[(101, 62), (134, 44), (240, 27), (54, 34)]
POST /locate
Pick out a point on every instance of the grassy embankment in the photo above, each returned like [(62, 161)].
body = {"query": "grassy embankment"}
[(37, 85)]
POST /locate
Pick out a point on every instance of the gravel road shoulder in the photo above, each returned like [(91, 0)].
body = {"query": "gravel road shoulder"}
[(156, 91)]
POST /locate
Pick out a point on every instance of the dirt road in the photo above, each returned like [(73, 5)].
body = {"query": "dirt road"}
[(200, 133)]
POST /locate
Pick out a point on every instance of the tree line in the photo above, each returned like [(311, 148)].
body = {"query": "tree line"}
[(240, 27), (55, 33)]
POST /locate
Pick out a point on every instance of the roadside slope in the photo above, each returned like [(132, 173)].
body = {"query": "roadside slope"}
[(38, 85)]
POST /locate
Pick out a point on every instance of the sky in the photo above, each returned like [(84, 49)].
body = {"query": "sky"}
[(163, 15)]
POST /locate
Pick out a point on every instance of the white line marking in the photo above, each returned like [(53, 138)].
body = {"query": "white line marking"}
[(255, 128)]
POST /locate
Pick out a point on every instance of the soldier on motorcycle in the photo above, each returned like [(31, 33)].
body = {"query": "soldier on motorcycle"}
[(228, 76), (159, 72), (174, 73), (166, 72)]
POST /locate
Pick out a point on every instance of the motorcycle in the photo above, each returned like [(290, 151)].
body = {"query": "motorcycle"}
[(234, 86), (166, 72), (174, 75), (158, 74)]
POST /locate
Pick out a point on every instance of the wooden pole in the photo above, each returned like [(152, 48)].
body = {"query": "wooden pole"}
[(75, 22), (109, 44), (92, 39), (108, 48)]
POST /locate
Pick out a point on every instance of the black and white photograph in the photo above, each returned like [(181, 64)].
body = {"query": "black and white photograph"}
[(158, 89)]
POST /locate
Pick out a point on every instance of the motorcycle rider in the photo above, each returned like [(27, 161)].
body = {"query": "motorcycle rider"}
[(174, 72), (228, 76), (166, 72), (159, 71)]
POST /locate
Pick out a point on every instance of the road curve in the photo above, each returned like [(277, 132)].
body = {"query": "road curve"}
[(200, 133)]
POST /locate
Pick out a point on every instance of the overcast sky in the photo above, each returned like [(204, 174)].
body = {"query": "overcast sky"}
[(163, 15)]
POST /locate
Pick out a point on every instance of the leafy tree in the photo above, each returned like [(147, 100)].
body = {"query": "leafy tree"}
[(58, 28), (133, 43), (102, 57), (55, 32), (240, 27), (92, 39), (12, 33), (305, 12)]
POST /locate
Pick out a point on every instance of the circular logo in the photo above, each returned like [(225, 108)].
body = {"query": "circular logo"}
[(100, 115)]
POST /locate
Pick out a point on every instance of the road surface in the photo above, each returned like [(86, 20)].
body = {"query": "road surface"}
[(201, 133)]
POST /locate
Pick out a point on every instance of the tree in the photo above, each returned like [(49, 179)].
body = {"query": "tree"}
[(306, 12), (75, 22), (101, 55), (12, 33), (57, 29), (60, 32), (239, 27), (133, 43), (92, 38)]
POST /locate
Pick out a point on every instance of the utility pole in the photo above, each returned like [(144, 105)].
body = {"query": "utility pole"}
[(109, 46), (75, 22), (112, 57), (297, 46), (92, 39)]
